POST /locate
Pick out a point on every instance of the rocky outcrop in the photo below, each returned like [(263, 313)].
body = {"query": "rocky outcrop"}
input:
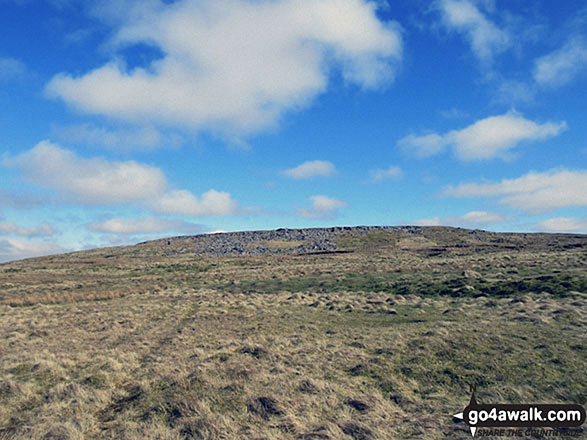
[(303, 241)]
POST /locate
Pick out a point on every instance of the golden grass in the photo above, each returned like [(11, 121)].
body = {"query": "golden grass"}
[(208, 365), (240, 348)]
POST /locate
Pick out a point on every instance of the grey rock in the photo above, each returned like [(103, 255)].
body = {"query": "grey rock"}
[(316, 240)]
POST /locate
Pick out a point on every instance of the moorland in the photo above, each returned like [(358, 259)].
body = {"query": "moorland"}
[(336, 333)]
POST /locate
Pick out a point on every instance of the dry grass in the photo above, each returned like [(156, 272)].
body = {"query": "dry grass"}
[(240, 348)]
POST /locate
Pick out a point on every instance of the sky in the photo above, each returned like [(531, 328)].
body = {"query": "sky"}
[(128, 120)]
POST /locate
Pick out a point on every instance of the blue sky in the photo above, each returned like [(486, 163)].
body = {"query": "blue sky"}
[(122, 121)]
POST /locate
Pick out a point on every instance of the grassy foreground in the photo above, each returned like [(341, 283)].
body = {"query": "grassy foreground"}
[(379, 342)]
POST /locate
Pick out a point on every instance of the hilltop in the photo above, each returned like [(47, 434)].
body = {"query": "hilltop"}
[(348, 238), (350, 333), (423, 260)]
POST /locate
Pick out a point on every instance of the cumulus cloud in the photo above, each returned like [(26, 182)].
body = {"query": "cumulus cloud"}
[(470, 219), (183, 202), (310, 169), (234, 65), (88, 181), (99, 181), (534, 192), (561, 66), (379, 175), (487, 138), (148, 225), (563, 224), (16, 249), (485, 37), (42, 230), (323, 207), (495, 135)]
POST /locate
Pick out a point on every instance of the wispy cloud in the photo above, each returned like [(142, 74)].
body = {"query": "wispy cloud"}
[(124, 139), (484, 36), (512, 92), (234, 65), (99, 181), (42, 230), (12, 69), (148, 225), (534, 192), (323, 207), (311, 169), (453, 113), (563, 224), (563, 65), (16, 249), (470, 219), (20, 200), (379, 175), (423, 145), (487, 138)]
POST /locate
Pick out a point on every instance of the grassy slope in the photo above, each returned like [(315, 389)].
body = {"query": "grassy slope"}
[(379, 343)]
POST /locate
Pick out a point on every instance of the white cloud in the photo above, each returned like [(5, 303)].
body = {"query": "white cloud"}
[(323, 207), (183, 202), (234, 65), (534, 192), (88, 181), (487, 138), (482, 217), (16, 249), (495, 135), (470, 219), (148, 225), (562, 65), (310, 169), (423, 146), (563, 224), (379, 175), (433, 221), (98, 181), (484, 37), (42, 230), (511, 92), (126, 139)]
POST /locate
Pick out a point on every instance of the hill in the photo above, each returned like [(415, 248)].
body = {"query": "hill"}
[(330, 333)]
